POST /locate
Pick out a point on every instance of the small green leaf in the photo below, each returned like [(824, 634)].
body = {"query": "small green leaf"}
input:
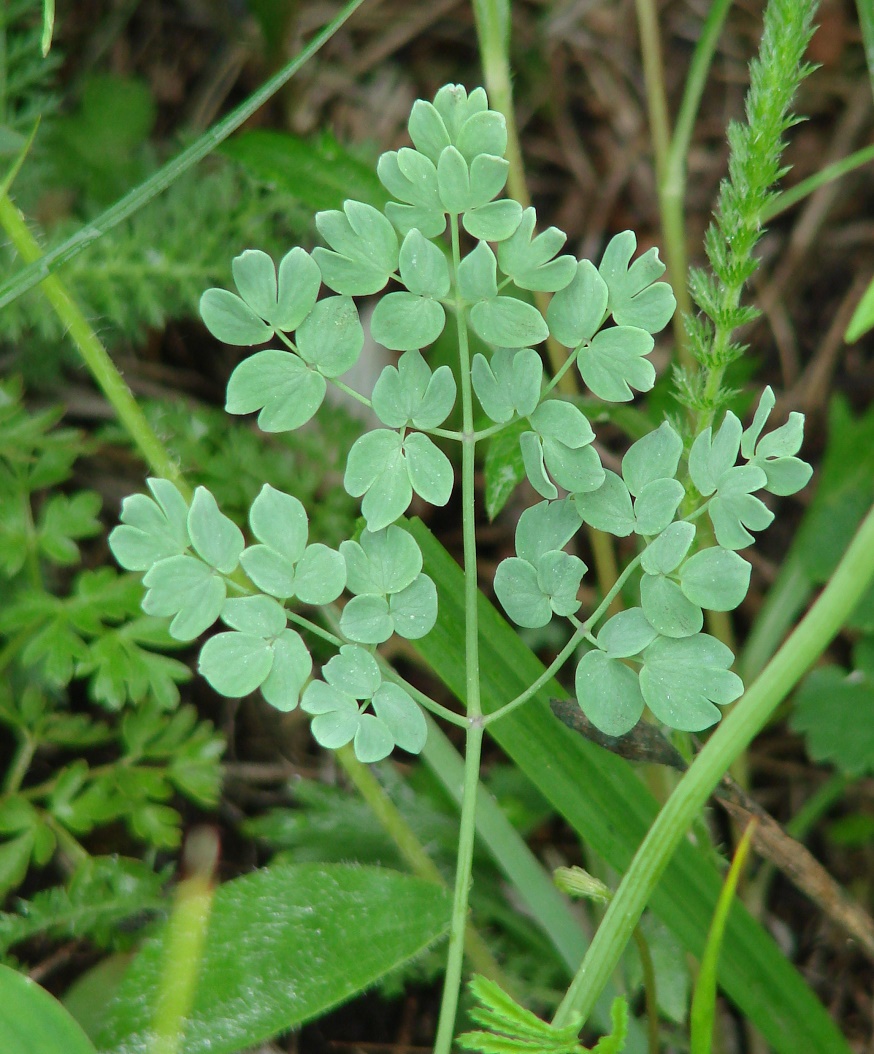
[(667, 608), (256, 615), (681, 680), (608, 693), (734, 509), (414, 608), (373, 741), (320, 575), (484, 132), (279, 520), (290, 671), (626, 633), (235, 664), (578, 310), (381, 562), (519, 592), (365, 249), (655, 506), (477, 274), (216, 539), (423, 266), (331, 337), (453, 181), (614, 363), (187, 589), (231, 320), (401, 716), (666, 552), (353, 671), (510, 378), (283, 304), (544, 527), (508, 323), (715, 578), (280, 385), (376, 468), (366, 619), (427, 130), (529, 261), (712, 457), (655, 456), (406, 322), (151, 530), (430, 470), (609, 507), (559, 575), (634, 299), (410, 394), (493, 221)]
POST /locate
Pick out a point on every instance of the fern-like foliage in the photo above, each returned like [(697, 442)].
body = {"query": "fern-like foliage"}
[(27, 87), (509, 1028), (151, 268), (107, 901), (58, 627), (756, 148)]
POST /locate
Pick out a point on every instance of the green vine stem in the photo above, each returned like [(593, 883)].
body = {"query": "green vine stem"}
[(37, 269), (474, 739), (93, 353), (800, 651)]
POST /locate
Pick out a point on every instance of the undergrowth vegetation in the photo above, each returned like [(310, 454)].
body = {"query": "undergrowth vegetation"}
[(440, 371)]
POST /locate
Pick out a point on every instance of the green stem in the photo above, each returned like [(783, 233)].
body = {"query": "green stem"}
[(94, 354), (670, 191), (467, 825), (37, 270), (463, 871), (20, 763), (866, 24), (404, 837), (737, 730)]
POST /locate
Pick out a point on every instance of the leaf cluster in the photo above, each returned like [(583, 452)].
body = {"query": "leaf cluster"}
[(514, 1030)]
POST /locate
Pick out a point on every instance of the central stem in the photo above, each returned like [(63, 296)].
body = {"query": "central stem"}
[(473, 746)]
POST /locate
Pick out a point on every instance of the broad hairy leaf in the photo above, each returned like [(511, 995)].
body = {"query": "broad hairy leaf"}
[(31, 1020), (285, 944)]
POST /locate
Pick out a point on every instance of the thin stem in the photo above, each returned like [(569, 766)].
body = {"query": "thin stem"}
[(467, 826), (463, 871), (20, 763), (412, 850), (543, 679), (94, 354), (670, 192), (801, 650), (38, 269)]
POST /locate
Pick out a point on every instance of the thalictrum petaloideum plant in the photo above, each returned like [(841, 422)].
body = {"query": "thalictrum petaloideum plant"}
[(457, 254)]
